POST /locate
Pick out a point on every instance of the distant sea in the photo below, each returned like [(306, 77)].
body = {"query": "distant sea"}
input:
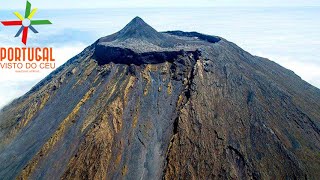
[(289, 36)]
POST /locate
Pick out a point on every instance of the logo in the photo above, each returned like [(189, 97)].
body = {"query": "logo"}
[(26, 59), (26, 22)]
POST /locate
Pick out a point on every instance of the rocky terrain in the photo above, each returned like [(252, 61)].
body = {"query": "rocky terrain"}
[(141, 104)]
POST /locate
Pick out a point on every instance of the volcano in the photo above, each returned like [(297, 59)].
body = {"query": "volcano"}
[(143, 104)]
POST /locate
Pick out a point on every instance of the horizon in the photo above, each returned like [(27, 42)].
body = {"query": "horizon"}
[(171, 7), (74, 4)]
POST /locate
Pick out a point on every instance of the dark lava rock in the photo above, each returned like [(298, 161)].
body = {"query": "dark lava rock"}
[(140, 104), (107, 54)]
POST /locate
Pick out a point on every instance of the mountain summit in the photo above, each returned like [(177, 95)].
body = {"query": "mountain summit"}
[(138, 43), (137, 32), (138, 29), (139, 37), (142, 104)]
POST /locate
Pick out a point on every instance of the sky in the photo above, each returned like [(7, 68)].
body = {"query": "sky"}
[(71, 4), (288, 35)]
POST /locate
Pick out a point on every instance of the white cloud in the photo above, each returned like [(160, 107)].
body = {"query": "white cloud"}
[(308, 71)]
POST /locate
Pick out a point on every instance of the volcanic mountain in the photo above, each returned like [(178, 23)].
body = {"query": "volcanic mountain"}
[(142, 104)]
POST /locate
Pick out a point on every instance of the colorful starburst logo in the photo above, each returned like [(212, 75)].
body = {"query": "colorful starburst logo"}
[(26, 23)]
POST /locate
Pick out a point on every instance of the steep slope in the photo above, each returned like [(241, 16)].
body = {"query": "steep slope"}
[(174, 105)]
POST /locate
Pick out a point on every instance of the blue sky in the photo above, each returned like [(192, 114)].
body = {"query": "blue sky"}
[(288, 35), (71, 4)]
